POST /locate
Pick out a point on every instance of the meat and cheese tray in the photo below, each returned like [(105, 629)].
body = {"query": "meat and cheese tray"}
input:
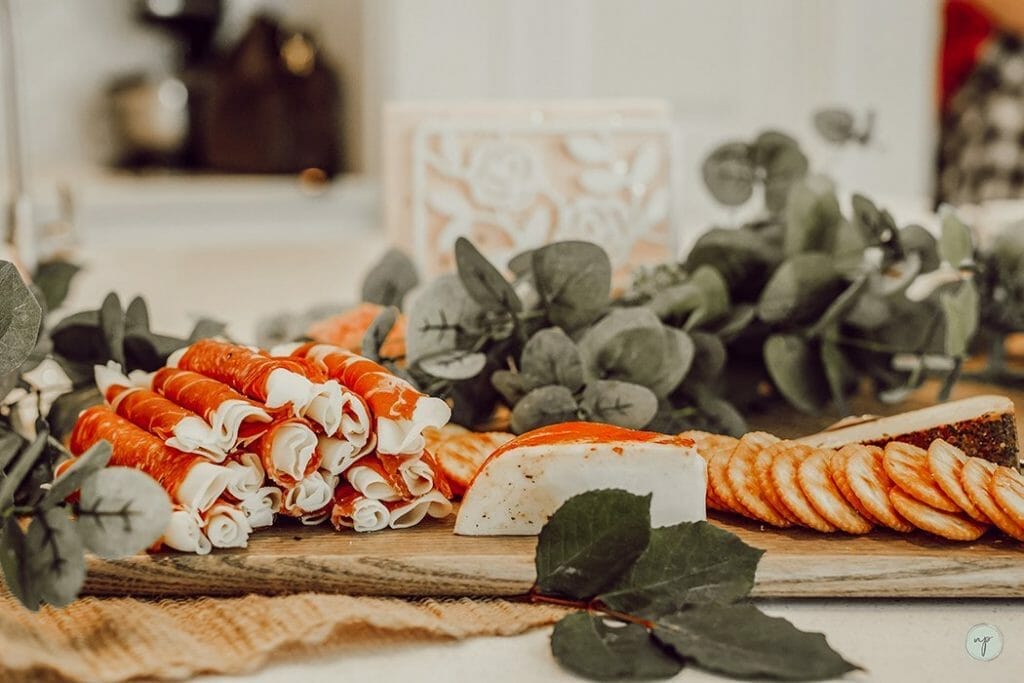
[(313, 468)]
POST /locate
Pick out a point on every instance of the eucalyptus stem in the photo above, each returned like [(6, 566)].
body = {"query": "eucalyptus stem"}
[(590, 606)]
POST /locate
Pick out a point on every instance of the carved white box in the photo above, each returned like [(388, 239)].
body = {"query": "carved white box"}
[(512, 176)]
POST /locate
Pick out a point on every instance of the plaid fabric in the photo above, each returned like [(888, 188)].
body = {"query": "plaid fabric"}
[(981, 148)]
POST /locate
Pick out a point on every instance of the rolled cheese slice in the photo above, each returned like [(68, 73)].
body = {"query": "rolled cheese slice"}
[(352, 510), (288, 451), (261, 506), (414, 476), (402, 515), (337, 455), (525, 481), (370, 479), (184, 532), (226, 525), (311, 495), (249, 475)]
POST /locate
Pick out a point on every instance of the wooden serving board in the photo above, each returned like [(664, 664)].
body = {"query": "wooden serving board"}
[(431, 561)]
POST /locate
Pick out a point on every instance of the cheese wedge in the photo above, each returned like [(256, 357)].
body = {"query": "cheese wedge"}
[(525, 481), (981, 426)]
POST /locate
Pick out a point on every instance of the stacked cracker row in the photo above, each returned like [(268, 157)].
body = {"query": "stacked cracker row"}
[(857, 488), (239, 436)]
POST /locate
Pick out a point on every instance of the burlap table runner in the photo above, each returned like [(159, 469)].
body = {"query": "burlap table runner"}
[(103, 640)]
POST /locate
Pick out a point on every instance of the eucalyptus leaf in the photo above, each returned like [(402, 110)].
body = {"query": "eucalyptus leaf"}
[(835, 366), (541, 407), (800, 290), (148, 351), (915, 239), (719, 415), (869, 312), (714, 291), (743, 642), (676, 301), (55, 557), (438, 317), (574, 282), (54, 280), (112, 325), (482, 281), (628, 344), (78, 338), (65, 409), (511, 385), (877, 227), (10, 444), (590, 541), (16, 474), (14, 562), (121, 511), (835, 125), (521, 265), (739, 319), (955, 245), (390, 279), (685, 564), (90, 462), (675, 362), (551, 357), (709, 357), (842, 305), (584, 644), (796, 370), (729, 173), (206, 328), (136, 316), (783, 163), (619, 403), (743, 257), (454, 365), (21, 318), (377, 332), (960, 312), (812, 216)]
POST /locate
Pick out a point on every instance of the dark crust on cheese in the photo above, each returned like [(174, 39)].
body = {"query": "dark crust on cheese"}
[(992, 437)]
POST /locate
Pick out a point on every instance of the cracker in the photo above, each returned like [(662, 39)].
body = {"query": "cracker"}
[(744, 482), (718, 482), (1007, 488), (763, 472), (976, 476), (945, 462), (461, 456), (907, 466), (837, 470), (707, 444), (785, 463), (868, 481), (819, 488), (949, 525)]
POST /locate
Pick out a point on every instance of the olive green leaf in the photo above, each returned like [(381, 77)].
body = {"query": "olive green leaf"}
[(795, 368), (743, 257), (22, 465), (955, 244), (800, 290), (53, 278), (619, 403), (835, 125), (377, 332), (206, 328), (14, 562), (685, 564), (543, 406), (482, 281), (136, 316), (842, 305), (812, 216), (20, 319), (511, 385), (390, 279), (121, 511), (783, 163), (65, 409), (90, 462), (714, 301), (574, 281), (551, 357), (628, 344), (709, 357), (55, 557), (960, 312), (737, 322), (729, 173), (588, 646), (455, 365), (112, 326), (521, 265), (590, 541), (675, 362), (836, 373), (914, 239), (439, 316)]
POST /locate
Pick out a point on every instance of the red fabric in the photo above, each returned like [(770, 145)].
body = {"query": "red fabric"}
[(965, 30)]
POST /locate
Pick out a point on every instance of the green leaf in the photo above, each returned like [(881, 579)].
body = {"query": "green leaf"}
[(17, 473), (590, 541), (90, 462), (689, 563), (521, 265), (743, 642), (541, 407), (454, 365), (511, 385), (714, 290), (587, 646), (729, 173), (675, 363), (628, 344), (390, 279), (112, 325), (574, 281), (783, 163), (709, 357), (136, 316), (955, 245), (377, 333), (148, 351), (14, 563), (439, 317), (21, 318), (800, 290), (64, 411), (53, 278), (551, 357), (836, 371), (121, 511), (78, 338), (835, 125), (55, 556), (843, 304), (619, 403), (676, 301), (743, 257), (796, 371), (10, 444), (960, 311), (737, 322), (915, 239), (205, 328), (482, 281), (812, 216), (720, 416)]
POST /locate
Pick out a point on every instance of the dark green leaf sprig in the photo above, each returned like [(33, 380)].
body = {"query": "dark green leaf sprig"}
[(652, 601)]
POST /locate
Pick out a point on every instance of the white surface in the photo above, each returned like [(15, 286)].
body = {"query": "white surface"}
[(898, 641)]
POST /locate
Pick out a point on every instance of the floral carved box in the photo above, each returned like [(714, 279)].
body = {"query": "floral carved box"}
[(515, 176)]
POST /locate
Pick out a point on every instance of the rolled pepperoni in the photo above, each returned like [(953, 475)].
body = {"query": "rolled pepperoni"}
[(288, 451), (415, 476), (353, 510), (179, 427), (190, 480)]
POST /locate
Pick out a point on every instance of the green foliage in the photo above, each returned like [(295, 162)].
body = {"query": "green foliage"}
[(20, 319), (659, 599), (390, 279), (773, 160)]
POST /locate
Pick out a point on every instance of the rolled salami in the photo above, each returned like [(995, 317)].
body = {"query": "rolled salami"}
[(337, 455), (352, 510), (404, 514), (184, 533), (226, 525), (231, 415), (191, 480), (400, 412), (249, 474), (311, 495), (414, 476), (261, 506), (288, 451), (371, 479), (288, 384)]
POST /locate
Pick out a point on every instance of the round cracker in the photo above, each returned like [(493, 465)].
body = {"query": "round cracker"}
[(785, 463), (707, 444), (763, 472), (1007, 488), (836, 464), (907, 466), (945, 462), (939, 522), (718, 482), (744, 482), (868, 481), (819, 488), (976, 476)]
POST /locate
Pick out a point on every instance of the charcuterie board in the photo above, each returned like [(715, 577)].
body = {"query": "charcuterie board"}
[(431, 560)]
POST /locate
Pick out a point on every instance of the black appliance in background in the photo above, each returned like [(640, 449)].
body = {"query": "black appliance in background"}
[(268, 104)]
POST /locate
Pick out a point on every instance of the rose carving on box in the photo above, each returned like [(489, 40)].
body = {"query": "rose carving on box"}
[(519, 178)]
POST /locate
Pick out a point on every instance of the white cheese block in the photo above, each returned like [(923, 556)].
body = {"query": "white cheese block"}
[(525, 481)]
